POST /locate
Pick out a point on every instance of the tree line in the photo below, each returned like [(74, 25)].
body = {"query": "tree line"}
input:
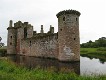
[(101, 42)]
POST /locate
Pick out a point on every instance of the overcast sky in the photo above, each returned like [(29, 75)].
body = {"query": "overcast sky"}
[(43, 12)]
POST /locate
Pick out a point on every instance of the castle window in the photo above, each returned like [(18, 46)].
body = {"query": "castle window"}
[(63, 18), (10, 43), (30, 43), (74, 38), (76, 19), (11, 37), (60, 29), (25, 32)]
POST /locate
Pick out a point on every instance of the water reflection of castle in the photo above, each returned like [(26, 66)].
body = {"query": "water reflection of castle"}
[(32, 62)]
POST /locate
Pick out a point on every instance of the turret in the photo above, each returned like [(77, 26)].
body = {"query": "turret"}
[(10, 24), (41, 31), (11, 41), (51, 29), (68, 35)]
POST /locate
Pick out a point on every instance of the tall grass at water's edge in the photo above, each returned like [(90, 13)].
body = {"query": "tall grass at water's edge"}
[(10, 71)]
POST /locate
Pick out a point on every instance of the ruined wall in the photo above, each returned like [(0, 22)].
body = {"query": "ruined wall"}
[(42, 46)]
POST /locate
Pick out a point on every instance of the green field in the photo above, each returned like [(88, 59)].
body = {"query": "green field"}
[(94, 52), (10, 71)]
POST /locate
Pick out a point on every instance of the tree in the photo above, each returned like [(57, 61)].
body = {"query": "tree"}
[(101, 42), (1, 44)]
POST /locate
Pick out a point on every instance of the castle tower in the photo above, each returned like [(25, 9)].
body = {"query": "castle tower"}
[(11, 41), (68, 35), (24, 30)]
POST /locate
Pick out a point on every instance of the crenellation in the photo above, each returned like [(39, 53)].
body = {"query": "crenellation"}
[(63, 45), (51, 29), (25, 23)]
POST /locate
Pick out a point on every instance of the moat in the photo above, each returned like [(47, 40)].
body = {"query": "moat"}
[(86, 66), (92, 66)]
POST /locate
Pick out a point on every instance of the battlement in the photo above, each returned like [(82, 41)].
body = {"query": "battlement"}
[(19, 24), (68, 12), (44, 35)]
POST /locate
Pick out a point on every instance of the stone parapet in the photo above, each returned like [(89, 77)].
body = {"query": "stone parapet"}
[(68, 12)]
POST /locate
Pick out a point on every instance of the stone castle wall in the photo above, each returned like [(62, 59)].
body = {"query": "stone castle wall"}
[(47, 46), (64, 45), (35, 44)]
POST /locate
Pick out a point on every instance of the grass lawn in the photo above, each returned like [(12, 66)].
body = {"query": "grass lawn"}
[(87, 50), (94, 52)]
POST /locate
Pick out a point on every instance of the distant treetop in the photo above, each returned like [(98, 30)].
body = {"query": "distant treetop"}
[(101, 42)]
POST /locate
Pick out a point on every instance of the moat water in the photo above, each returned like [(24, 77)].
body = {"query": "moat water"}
[(86, 66), (92, 66)]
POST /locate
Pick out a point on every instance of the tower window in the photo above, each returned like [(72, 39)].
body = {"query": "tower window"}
[(74, 38), (25, 32), (60, 29), (10, 43), (11, 37), (63, 18), (30, 43), (76, 19)]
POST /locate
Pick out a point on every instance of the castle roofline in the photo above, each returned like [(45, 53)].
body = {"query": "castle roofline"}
[(68, 12), (11, 28)]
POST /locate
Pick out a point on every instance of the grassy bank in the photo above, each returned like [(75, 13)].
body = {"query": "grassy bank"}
[(9, 71), (94, 52)]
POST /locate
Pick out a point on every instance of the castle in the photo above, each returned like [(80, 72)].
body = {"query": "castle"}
[(63, 45)]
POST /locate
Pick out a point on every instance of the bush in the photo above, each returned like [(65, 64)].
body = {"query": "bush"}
[(3, 52)]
